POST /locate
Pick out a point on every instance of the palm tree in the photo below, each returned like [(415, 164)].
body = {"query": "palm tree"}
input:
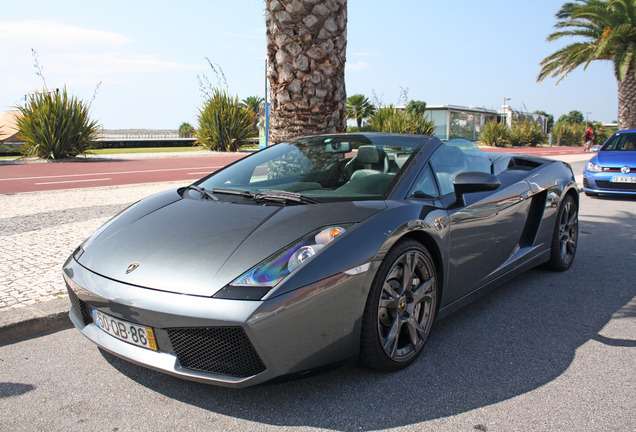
[(609, 33), (306, 45), (186, 130), (253, 103), (359, 108)]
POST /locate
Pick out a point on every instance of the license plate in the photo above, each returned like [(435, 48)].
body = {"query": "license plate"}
[(621, 179), (126, 331)]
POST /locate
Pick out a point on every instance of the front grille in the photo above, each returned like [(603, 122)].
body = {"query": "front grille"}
[(82, 310), (616, 186), (588, 184), (222, 350)]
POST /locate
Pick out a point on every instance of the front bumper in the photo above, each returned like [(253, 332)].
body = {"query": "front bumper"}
[(233, 343), (599, 183)]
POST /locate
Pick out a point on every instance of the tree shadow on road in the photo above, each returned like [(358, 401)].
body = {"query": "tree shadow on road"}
[(514, 340)]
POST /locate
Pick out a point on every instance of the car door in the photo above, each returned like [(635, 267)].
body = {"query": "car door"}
[(485, 231)]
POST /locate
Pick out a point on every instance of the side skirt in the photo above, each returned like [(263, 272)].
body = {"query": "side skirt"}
[(486, 288)]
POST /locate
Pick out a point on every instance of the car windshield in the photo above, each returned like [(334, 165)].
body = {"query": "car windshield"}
[(323, 168), (621, 141)]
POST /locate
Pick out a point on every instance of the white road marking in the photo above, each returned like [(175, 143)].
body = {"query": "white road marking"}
[(72, 181), (111, 173)]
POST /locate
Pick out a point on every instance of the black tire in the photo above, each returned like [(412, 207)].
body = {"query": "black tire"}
[(566, 236), (397, 319)]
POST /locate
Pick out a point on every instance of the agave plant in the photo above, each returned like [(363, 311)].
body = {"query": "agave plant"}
[(568, 134), (54, 125), (494, 134), (391, 119), (225, 123), (526, 133)]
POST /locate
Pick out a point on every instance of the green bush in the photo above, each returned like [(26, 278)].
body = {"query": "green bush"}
[(527, 133), (390, 119), (225, 124), (494, 134), (186, 130), (55, 125), (570, 134)]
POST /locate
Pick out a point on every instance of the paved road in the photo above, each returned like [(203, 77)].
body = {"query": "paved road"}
[(125, 169), (546, 352), (130, 169)]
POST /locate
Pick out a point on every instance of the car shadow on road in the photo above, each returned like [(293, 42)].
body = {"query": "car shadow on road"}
[(514, 340)]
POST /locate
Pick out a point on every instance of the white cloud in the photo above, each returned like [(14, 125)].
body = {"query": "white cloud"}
[(113, 63), (50, 33), (349, 66), (76, 54), (366, 54)]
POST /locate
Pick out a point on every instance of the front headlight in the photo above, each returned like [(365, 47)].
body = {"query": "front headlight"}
[(275, 268), (592, 167)]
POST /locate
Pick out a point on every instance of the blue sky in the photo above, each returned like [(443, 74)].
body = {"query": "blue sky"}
[(147, 55)]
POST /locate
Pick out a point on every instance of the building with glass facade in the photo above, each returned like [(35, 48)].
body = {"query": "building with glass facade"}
[(466, 122)]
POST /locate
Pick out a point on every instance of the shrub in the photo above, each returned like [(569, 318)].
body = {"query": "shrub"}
[(390, 119), (55, 125), (570, 134), (494, 134), (527, 133), (225, 123), (186, 130)]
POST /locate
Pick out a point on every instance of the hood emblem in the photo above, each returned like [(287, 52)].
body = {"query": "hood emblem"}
[(626, 170), (132, 267)]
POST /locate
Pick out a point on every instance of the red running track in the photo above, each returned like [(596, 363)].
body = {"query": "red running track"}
[(31, 177)]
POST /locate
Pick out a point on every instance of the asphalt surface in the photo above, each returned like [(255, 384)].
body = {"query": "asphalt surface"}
[(546, 352), (110, 170)]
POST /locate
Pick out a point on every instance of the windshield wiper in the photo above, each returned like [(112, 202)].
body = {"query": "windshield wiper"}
[(284, 197), (206, 193), (245, 194)]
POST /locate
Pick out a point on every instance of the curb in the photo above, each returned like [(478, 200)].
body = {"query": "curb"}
[(30, 320)]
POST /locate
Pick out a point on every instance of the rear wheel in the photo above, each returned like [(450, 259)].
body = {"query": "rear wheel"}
[(400, 308), (566, 235)]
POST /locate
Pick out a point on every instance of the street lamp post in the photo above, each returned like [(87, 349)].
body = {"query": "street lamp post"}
[(503, 110)]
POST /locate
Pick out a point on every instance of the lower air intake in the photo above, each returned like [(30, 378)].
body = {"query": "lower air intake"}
[(82, 310), (222, 350)]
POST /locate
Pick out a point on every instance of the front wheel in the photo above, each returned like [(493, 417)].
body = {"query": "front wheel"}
[(400, 308), (566, 235)]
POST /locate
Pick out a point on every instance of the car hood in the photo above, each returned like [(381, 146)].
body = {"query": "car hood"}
[(197, 247), (615, 158)]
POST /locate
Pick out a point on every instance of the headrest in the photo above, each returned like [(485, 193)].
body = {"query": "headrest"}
[(368, 154)]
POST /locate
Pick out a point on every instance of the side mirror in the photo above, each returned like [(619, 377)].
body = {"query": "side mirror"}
[(474, 181), (596, 148)]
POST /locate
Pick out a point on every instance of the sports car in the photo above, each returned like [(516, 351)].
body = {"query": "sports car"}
[(613, 169), (317, 251)]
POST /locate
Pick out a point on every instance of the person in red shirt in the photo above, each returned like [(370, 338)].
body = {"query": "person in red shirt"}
[(589, 139)]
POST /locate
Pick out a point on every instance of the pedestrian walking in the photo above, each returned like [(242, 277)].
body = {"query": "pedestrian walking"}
[(589, 139)]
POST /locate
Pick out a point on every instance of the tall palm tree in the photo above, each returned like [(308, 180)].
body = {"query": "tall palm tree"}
[(359, 107), (306, 46), (253, 103), (608, 28)]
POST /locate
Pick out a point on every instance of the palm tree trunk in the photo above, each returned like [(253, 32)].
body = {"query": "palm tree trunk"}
[(627, 101), (306, 47)]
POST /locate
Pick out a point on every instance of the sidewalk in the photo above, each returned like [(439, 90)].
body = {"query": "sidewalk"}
[(39, 230)]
